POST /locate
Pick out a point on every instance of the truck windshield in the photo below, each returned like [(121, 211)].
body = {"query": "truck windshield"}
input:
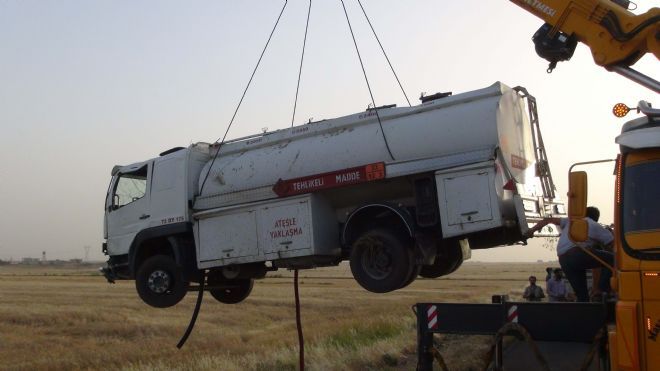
[(641, 202)]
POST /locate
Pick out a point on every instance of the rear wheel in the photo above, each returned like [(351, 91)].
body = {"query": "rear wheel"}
[(160, 282), (382, 260), (229, 291), (415, 270), (447, 260)]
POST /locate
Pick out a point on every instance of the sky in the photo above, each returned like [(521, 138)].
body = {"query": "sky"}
[(86, 85)]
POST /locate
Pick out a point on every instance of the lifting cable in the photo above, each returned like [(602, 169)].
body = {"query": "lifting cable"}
[(222, 140), (385, 54), (200, 295), (521, 333), (364, 72), (302, 57)]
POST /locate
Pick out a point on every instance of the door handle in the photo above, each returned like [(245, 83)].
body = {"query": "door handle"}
[(144, 216)]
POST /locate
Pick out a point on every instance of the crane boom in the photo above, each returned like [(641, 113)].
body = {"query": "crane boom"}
[(617, 37)]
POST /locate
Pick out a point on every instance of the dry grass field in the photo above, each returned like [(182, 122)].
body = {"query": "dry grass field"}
[(71, 319)]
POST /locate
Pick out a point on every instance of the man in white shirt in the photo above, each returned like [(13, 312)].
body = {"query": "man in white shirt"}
[(574, 261), (556, 287)]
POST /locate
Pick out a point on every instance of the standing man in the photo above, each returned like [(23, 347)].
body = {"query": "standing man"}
[(574, 261), (533, 292), (556, 287)]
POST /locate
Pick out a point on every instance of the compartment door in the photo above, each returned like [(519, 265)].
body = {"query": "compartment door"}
[(468, 202), (228, 236), (285, 228), (468, 198)]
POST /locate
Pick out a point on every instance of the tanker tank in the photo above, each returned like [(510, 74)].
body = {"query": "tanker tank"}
[(480, 121)]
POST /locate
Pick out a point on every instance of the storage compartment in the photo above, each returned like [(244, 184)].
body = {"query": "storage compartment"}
[(295, 227), (468, 201), (229, 235), (285, 227)]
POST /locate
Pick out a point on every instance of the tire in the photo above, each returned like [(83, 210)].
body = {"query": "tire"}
[(160, 282), (414, 272), (415, 269), (448, 259), (231, 291), (382, 260)]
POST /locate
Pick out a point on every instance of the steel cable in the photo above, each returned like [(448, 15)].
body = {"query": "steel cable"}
[(384, 53), (302, 57), (364, 72), (595, 345), (512, 328), (242, 97)]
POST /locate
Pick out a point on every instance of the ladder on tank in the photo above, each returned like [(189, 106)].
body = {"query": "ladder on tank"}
[(542, 166)]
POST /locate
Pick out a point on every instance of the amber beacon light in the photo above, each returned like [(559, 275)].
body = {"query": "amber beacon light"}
[(620, 110)]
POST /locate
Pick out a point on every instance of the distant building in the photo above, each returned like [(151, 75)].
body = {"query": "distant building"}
[(75, 261), (30, 261)]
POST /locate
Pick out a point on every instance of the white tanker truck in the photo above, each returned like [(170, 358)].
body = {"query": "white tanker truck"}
[(399, 192)]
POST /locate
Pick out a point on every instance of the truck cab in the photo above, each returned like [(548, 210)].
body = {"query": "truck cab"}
[(634, 338), (147, 214)]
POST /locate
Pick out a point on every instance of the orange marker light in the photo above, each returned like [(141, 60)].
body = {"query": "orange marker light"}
[(620, 110), (651, 274), (617, 186), (648, 323)]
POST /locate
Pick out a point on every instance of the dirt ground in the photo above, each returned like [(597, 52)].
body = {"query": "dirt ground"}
[(70, 318)]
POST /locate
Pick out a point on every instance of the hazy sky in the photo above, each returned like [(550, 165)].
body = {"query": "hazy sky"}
[(85, 85)]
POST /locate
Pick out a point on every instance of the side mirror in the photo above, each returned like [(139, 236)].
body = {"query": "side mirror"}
[(579, 230), (577, 206)]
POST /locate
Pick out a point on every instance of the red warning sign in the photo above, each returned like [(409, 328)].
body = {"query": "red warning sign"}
[(339, 178)]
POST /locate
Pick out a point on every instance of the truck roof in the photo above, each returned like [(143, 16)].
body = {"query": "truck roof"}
[(643, 132)]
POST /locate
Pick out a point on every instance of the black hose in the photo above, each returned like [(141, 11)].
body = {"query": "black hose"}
[(611, 23), (301, 341), (198, 305)]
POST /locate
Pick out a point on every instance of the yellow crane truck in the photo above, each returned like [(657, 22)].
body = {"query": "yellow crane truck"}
[(612, 335), (633, 336)]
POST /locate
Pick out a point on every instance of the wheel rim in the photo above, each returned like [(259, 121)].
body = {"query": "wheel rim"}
[(159, 281), (376, 262)]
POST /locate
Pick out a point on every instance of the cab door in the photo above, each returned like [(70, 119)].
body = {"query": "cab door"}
[(127, 208)]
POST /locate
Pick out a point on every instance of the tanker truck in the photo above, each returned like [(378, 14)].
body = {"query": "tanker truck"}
[(399, 192)]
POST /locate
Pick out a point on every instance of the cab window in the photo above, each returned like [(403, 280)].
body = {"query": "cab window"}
[(130, 187)]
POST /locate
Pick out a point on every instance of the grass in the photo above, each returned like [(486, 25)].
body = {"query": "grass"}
[(71, 319)]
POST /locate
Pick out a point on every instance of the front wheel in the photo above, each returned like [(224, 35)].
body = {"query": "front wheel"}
[(381, 260), (160, 282)]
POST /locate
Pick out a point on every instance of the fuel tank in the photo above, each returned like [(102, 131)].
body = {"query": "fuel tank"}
[(482, 120)]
